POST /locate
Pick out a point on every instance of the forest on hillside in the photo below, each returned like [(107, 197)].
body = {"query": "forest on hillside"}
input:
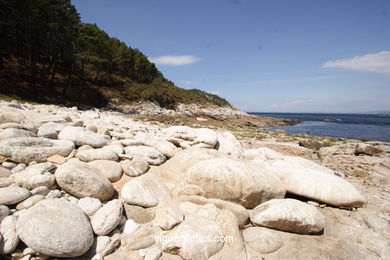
[(48, 55)]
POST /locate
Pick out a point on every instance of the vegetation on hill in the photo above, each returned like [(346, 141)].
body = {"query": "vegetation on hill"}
[(48, 55)]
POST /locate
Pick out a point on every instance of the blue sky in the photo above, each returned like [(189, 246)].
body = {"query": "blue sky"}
[(262, 55)]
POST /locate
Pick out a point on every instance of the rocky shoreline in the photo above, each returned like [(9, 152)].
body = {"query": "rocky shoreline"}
[(94, 184)]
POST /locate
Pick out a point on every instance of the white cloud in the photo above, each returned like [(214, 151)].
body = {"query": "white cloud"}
[(188, 82), (175, 60), (376, 62), (262, 82)]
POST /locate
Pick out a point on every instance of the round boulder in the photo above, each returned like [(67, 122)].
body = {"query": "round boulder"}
[(83, 180), (55, 227)]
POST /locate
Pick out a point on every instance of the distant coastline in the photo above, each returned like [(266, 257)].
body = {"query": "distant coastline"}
[(374, 126)]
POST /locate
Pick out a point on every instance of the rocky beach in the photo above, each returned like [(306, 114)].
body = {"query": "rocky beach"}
[(142, 182)]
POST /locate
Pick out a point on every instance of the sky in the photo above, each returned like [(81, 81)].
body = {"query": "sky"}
[(262, 55)]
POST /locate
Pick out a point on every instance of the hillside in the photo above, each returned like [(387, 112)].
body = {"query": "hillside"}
[(47, 55)]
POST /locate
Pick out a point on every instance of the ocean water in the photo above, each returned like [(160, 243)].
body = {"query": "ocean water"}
[(355, 126)]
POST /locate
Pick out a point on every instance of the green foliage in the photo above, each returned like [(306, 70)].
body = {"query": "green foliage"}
[(46, 51)]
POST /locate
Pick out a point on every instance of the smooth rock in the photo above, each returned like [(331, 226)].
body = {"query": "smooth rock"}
[(107, 217), (242, 183), (288, 215), (228, 144), (135, 167), (229, 226), (189, 249), (10, 238), (13, 194), (4, 172), (89, 205), (239, 211), (168, 214), (112, 170), (366, 149), (160, 144), (176, 167), (136, 193), (29, 149), (29, 202), (308, 179), (130, 226), (55, 227), (57, 159), (139, 214), (41, 190), (81, 136), (96, 154), (83, 180), (14, 133), (50, 130), (186, 137), (146, 153), (36, 175), (4, 211), (5, 182), (262, 240)]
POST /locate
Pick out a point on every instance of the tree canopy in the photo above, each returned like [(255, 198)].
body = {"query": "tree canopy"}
[(48, 54)]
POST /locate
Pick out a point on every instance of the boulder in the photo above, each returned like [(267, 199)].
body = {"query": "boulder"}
[(107, 218), (186, 137), (135, 167), (13, 194), (50, 130), (36, 175), (96, 154), (242, 183), (308, 179), (29, 149), (191, 248), (10, 238), (228, 144), (112, 170), (14, 133), (288, 215), (146, 153), (82, 136), (83, 180), (262, 240), (55, 227)]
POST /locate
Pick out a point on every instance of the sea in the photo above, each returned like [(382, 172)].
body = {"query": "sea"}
[(354, 126)]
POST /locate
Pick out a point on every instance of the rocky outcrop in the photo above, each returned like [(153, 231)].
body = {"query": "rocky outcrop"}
[(183, 182)]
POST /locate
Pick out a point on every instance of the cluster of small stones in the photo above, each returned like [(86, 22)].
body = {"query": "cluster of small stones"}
[(99, 185)]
